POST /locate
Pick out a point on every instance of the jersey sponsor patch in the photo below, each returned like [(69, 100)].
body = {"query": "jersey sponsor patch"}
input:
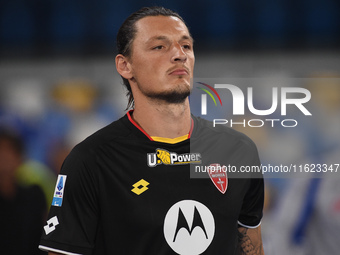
[(59, 190), (165, 157), (218, 176), (189, 227), (51, 224)]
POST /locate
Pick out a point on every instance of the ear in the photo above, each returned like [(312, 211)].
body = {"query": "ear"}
[(123, 66)]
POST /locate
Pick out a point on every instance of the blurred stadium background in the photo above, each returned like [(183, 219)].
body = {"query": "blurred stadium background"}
[(59, 84)]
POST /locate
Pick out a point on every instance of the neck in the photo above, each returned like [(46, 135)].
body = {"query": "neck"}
[(163, 120)]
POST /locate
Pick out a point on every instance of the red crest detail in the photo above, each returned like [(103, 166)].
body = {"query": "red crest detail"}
[(218, 175)]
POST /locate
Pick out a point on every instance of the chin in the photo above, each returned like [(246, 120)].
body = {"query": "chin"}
[(174, 96)]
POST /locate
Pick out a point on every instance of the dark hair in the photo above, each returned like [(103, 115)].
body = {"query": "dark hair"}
[(127, 32)]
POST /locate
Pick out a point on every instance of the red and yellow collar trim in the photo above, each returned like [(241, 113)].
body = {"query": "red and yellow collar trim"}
[(161, 139)]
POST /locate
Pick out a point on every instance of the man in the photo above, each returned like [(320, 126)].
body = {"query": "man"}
[(127, 188), (22, 208)]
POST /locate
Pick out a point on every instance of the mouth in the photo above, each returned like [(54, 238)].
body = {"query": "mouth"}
[(179, 71)]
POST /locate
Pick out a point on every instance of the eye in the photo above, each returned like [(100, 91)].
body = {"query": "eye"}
[(159, 47), (187, 46)]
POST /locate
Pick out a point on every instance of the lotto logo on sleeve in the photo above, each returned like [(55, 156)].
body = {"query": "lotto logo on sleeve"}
[(59, 190), (51, 224)]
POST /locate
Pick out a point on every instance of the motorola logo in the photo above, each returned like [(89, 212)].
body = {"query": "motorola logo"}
[(189, 227)]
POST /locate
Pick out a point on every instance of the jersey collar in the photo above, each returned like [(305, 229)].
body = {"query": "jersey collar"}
[(129, 113)]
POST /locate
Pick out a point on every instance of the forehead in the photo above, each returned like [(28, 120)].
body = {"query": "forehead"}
[(152, 26)]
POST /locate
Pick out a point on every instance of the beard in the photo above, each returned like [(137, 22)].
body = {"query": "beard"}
[(175, 96), (171, 97)]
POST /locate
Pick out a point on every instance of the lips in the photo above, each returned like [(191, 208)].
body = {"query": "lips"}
[(179, 71)]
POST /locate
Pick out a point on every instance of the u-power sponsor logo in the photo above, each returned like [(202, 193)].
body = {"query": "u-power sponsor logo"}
[(165, 157)]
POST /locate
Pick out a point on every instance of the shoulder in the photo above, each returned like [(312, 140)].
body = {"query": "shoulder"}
[(205, 129), (84, 156), (103, 137)]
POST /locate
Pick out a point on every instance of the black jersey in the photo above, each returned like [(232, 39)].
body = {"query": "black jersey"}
[(120, 192)]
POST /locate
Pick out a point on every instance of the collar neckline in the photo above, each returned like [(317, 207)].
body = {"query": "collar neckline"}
[(129, 115)]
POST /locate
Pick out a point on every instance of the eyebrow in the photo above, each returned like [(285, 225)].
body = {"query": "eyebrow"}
[(165, 38)]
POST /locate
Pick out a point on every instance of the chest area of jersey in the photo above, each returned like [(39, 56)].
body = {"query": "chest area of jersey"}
[(156, 192)]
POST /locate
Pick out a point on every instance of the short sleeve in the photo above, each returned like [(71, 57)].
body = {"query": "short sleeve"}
[(252, 207), (73, 217)]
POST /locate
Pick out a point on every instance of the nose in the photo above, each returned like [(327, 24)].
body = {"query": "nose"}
[(179, 55)]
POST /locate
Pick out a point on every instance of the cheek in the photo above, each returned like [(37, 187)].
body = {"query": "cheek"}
[(144, 66), (151, 73), (144, 74)]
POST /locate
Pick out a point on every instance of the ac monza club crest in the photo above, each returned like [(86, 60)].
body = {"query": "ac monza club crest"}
[(218, 175)]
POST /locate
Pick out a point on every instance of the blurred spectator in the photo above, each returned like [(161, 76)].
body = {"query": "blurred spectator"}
[(32, 172), (22, 208)]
